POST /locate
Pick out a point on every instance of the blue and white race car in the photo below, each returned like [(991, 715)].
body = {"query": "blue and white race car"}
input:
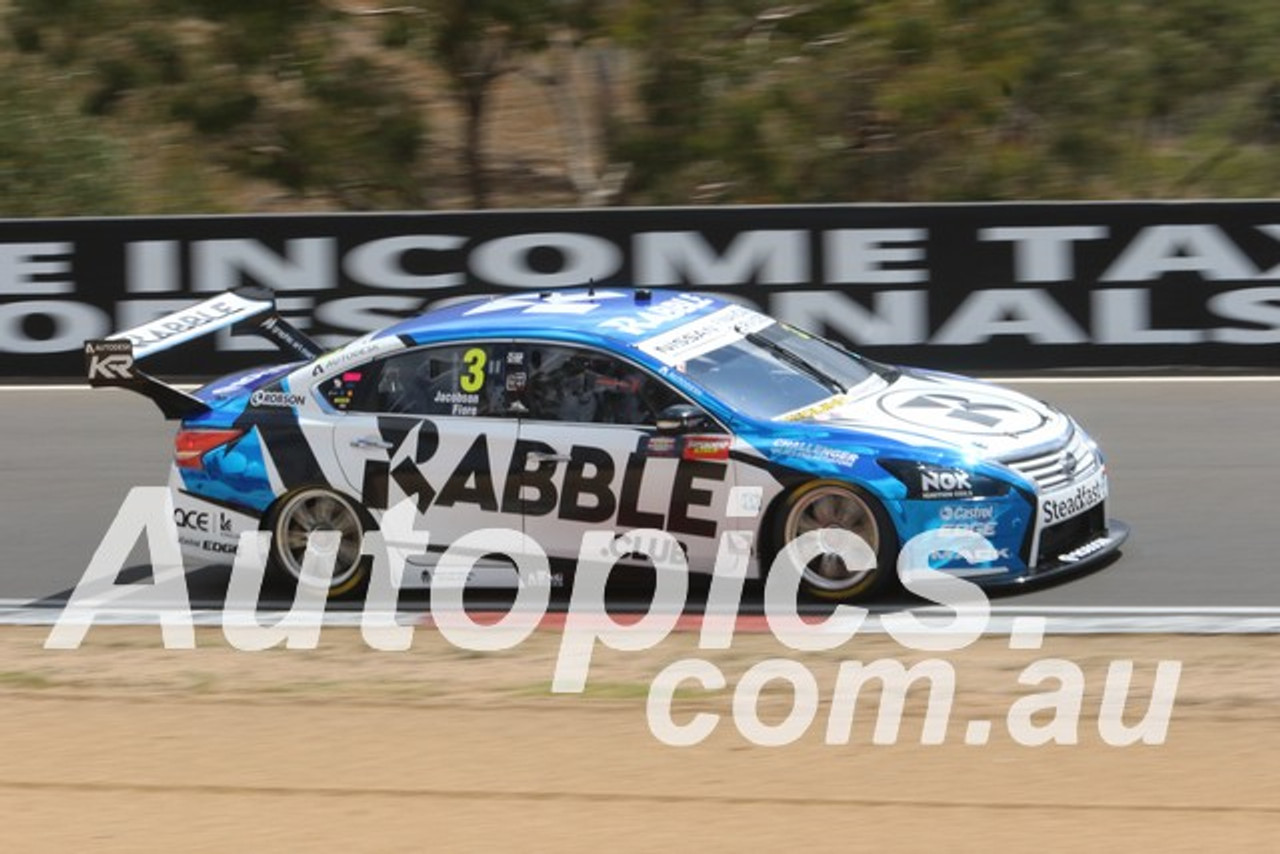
[(559, 413)]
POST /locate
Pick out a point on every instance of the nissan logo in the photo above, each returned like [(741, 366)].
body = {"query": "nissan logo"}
[(1069, 463)]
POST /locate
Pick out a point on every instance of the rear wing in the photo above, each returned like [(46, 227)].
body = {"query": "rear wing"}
[(111, 361)]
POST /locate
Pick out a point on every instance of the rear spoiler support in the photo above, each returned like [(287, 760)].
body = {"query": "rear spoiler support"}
[(280, 332), (111, 361)]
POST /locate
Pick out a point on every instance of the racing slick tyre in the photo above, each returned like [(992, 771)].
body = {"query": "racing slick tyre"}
[(827, 504), (309, 509)]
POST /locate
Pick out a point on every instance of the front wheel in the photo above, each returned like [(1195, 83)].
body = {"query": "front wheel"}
[(317, 509), (831, 505)]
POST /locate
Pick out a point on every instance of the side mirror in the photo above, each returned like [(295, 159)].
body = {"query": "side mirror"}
[(682, 418)]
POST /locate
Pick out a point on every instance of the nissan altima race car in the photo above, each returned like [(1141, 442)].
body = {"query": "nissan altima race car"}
[(559, 413)]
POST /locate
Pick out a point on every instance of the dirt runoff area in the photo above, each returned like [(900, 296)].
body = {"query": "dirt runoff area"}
[(122, 745)]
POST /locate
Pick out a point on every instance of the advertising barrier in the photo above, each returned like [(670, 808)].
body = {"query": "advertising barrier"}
[(991, 287)]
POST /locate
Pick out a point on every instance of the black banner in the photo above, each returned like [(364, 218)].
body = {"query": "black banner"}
[(999, 287)]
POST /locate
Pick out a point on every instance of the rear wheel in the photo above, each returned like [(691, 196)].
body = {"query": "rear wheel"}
[(823, 505), (310, 509)]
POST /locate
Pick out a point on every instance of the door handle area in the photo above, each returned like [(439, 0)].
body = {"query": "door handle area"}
[(543, 457), (372, 442)]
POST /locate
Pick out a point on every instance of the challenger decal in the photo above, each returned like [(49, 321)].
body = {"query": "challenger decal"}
[(814, 451)]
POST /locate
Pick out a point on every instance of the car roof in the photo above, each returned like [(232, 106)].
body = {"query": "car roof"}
[(618, 318)]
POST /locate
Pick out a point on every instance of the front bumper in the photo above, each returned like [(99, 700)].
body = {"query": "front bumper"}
[(1084, 558)]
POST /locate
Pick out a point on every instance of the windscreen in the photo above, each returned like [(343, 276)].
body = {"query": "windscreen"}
[(774, 370)]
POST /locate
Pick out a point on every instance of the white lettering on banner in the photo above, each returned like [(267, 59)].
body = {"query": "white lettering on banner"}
[(363, 314), (309, 263), (380, 263), (584, 258), (23, 264), (1272, 231), (1043, 253), (72, 322), (1040, 255), (1252, 306), (895, 317), (835, 260), (1013, 311), (1160, 249), (153, 266), (1119, 316), (859, 256), (765, 257), (1122, 315)]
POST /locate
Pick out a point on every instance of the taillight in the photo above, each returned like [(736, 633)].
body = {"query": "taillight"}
[(190, 446)]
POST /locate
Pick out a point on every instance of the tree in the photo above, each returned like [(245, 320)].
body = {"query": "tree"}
[(475, 42)]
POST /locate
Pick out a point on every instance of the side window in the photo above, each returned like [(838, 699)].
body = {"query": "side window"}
[(464, 379), (342, 390), (559, 383)]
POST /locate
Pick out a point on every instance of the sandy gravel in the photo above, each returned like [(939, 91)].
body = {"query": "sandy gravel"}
[(124, 746)]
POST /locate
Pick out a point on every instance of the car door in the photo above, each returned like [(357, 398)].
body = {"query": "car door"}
[(592, 457), (430, 423)]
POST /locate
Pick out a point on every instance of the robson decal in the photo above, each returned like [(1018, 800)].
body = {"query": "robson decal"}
[(277, 399)]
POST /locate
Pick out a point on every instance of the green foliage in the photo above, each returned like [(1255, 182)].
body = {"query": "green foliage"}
[(361, 160), (217, 104), (714, 100), (270, 90), (970, 99), (53, 160)]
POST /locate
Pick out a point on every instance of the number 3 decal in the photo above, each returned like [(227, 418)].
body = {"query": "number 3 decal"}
[(473, 380)]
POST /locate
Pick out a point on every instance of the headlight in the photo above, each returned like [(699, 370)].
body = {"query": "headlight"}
[(923, 480)]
